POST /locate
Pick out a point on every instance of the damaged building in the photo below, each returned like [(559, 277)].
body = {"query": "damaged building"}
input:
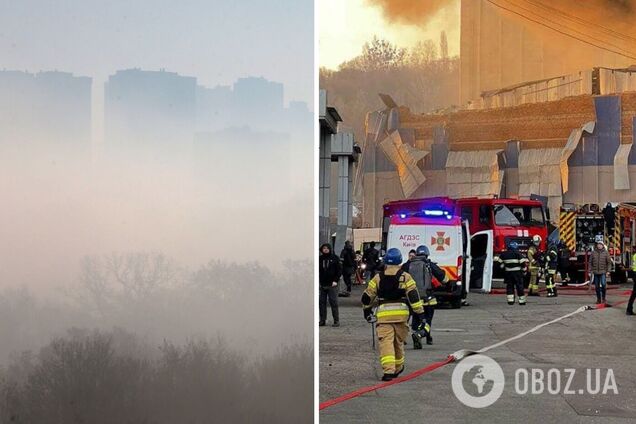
[(567, 138)]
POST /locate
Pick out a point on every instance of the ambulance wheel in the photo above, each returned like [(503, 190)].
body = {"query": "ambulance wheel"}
[(456, 303)]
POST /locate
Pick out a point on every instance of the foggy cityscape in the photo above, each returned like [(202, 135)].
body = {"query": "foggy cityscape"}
[(148, 183)]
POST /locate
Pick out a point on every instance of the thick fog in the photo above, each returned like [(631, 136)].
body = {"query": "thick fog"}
[(156, 233)]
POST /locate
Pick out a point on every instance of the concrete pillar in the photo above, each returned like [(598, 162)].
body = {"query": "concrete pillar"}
[(343, 151), (324, 177)]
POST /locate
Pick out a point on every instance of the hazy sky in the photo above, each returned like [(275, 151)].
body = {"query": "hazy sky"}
[(61, 211), (216, 41), (345, 25)]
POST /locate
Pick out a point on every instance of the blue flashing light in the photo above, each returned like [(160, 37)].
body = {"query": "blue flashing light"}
[(433, 212), (402, 215), (449, 217)]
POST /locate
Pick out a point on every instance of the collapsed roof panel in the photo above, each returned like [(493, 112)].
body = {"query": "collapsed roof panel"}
[(474, 173), (405, 158)]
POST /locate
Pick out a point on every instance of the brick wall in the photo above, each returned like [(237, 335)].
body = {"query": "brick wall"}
[(538, 124)]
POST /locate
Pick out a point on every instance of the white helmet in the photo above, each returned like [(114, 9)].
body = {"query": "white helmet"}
[(536, 239)]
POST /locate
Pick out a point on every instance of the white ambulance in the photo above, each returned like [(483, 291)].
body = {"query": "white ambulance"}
[(466, 259)]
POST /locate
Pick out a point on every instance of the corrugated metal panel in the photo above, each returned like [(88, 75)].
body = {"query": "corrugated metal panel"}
[(405, 158), (608, 127), (473, 173), (570, 148), (539, 173), (512, 154), (616, 81), (621, 171), (393, 122), (373, 159)]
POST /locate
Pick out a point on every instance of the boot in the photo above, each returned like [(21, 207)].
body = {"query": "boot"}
[(336, 324), (417, 343), (429, 340), (321, 324), (387, 377), (399, 372), (598, 300), (629, 312)]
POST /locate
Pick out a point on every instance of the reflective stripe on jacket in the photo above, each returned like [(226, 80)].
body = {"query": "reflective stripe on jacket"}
[(393, 310)]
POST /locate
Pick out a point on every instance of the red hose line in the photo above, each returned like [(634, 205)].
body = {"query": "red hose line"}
[(411, 376), (431, 367)]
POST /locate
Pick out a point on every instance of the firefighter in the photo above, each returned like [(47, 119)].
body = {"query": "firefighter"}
[(513, 264), (395, 291), (422, 269), (551, 264), (533, 265)]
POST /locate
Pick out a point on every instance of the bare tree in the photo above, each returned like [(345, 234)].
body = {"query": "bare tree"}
[(378, 54), (133, 276), (423, 53)]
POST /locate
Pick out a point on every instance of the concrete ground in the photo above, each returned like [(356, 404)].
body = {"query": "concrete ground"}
[(591, 339)]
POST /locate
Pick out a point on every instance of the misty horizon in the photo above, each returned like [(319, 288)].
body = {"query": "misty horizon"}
[(156, 178)]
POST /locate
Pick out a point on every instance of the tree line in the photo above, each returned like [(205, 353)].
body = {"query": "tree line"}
[(139, 339)]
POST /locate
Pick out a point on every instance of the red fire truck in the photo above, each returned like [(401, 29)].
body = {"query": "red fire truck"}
[(492, 224), (509, 219)]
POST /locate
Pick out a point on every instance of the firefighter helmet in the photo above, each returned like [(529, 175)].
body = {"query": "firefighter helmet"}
[(536, 239), (393, 257), (422, 251)]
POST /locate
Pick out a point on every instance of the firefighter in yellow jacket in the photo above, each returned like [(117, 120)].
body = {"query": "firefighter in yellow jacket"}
[(393, 289), (534, 265)]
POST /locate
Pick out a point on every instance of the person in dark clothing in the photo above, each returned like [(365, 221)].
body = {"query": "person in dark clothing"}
[(513, 264), (328, 275), (359, 268), (551, 265), (632, 274), (405, 265), (609, 213), (564, 263), (371, 258), (348, 257), (422, 269)]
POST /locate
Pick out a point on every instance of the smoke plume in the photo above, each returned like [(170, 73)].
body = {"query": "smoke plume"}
[(411, 12), (417, 12)]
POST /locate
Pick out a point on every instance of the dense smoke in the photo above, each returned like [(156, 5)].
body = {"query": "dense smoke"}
[(417, 12), (411, 12)]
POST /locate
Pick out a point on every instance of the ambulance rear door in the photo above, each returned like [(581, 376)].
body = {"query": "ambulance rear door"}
[(481, 259)]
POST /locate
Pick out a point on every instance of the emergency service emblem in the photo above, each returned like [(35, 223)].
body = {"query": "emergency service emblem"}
[(440, 241)]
